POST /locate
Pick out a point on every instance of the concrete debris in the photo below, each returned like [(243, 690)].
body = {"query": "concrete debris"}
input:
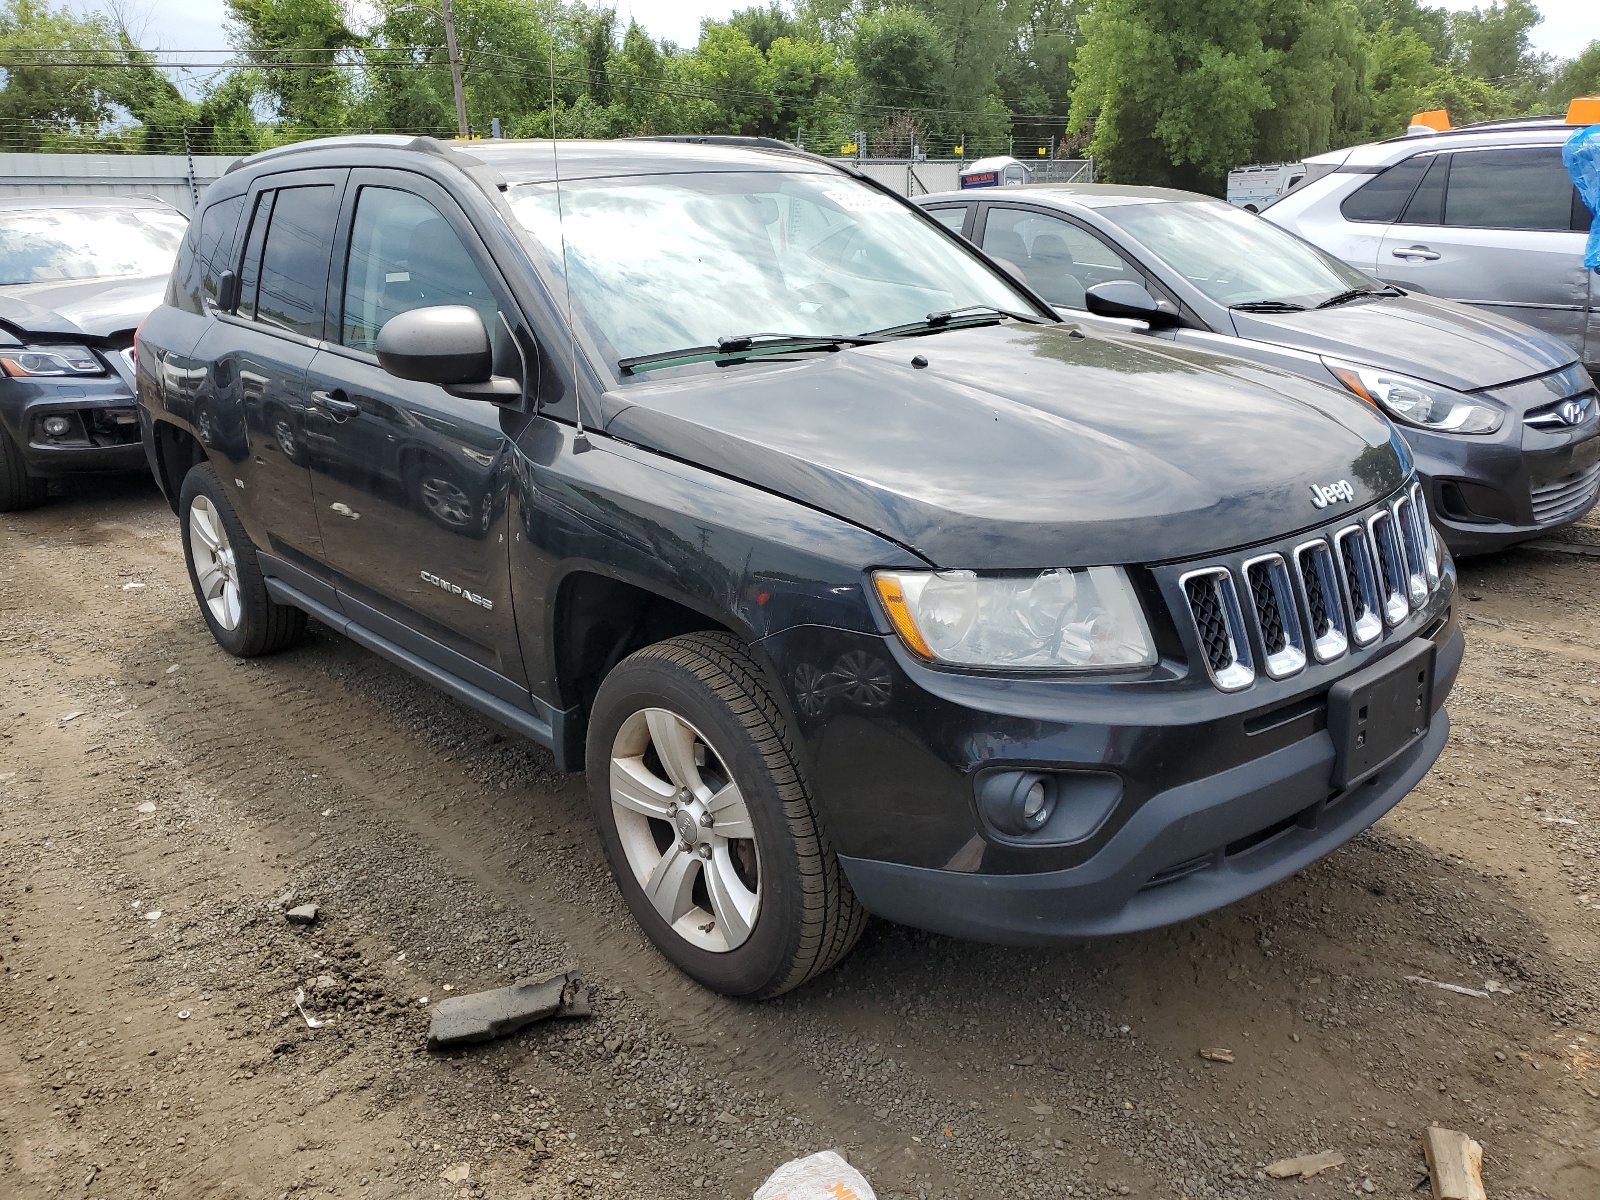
[(483, 1016), (149, 806), (71, 716), (303, 915), (460, 1173), (821, 1176), (1495, 987), (1216, 1054), (1041, 1109), (1449, 987), (1455, 1164), (1306, 1165)]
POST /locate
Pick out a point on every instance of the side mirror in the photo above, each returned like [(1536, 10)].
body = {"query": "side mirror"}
[(228, 291), (448, 345), (1123, 298)]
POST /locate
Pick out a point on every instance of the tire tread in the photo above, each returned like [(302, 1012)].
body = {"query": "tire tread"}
[(18, 489)]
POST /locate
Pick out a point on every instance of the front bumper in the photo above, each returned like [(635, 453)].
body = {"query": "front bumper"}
[(1488, 493), (103, 434), (1193, 797)]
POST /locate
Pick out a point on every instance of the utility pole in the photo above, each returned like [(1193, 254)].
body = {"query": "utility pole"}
[(455, 68)]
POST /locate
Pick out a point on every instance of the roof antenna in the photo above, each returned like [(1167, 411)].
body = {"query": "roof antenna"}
[(580, 441)]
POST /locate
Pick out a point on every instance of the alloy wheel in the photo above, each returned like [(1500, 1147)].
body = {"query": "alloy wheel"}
[(685, 830), (214, 563)]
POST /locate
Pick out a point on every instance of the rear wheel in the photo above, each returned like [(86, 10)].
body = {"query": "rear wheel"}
[(708, 823), (233, 598), (18, 489)]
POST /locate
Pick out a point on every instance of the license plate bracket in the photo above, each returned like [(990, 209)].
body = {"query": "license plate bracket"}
[(1379, 711)]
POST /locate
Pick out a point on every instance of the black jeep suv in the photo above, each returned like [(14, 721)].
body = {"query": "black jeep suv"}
[(855, 579)]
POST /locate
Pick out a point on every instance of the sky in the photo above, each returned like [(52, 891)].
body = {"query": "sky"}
[(1568, 26)]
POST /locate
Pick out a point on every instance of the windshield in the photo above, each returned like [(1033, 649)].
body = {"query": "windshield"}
[(664, 262), (53, 245), (1235, 257)]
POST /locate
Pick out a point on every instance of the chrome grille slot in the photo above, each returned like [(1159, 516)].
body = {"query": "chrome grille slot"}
[(1277, 615), (1430, 542), (1219, 622), (1330, 630), (1410, 534), (1360, 581), (1391, 573)]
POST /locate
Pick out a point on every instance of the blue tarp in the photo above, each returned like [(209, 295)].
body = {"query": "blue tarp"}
[(1581, 156)]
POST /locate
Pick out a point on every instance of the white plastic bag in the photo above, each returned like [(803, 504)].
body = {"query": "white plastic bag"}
[(820, 1176)]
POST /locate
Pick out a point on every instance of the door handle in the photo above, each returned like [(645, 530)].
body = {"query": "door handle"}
[(1415, 252), (336, 403)]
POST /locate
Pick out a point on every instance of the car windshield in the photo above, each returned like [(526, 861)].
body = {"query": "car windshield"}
[(1235, 257), (54, 245), (667, 262)]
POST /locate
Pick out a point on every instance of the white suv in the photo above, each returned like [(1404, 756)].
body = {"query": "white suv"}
[(1484, 214)]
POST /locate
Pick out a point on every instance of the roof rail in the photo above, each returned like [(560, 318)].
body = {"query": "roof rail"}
[(718, 139), (392, 140)]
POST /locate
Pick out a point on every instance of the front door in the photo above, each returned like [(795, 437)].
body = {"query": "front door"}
[(1496, 228), (259, 354), (411, 482)]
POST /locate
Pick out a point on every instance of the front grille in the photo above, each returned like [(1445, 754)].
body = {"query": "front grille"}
[(1565, 498), (1391, 567), (1277, 615), (1331, 594), (1219, 621)]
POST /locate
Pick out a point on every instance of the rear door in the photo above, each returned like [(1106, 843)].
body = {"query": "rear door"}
[(411, 483), (1494, 228), (256, 410)]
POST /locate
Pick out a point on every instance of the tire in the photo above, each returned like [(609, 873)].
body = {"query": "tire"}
[(706, 698), (226, 577), (18, 489), (439, 492)]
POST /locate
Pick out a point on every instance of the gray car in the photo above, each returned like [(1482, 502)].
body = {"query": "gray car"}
[(77, 276), (1503, 420), (1484, 214)]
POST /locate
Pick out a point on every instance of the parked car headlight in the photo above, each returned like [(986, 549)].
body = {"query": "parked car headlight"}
[(1080, 618), (1415, 402), (37, 361)]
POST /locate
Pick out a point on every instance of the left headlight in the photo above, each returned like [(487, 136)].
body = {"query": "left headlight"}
[(1080, 618), (1417, 402), (45, 361)]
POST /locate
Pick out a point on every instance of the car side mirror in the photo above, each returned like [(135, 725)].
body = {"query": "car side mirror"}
[(447, 345), (228, 291), (1125, 298)]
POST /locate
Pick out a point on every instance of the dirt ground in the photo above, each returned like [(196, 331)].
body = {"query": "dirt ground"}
[(161, 804)]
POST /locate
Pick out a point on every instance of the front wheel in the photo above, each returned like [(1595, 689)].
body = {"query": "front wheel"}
[(18, 489), (242, 617), (708, 823)]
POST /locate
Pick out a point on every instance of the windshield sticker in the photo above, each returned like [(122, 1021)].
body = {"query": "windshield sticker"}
[(863, 201)]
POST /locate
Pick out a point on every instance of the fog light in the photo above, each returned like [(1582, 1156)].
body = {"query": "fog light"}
[(1016, 802), (57, 426)]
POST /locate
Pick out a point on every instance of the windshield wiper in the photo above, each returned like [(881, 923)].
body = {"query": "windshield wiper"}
[(939, 320), (1268, 306), (737, 347), (1356, 294)]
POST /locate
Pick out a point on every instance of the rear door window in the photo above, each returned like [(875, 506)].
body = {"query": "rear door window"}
[(952, 218), (294, 260), (1427, 204), (1384, 198), (1525, 188), (218, 224)]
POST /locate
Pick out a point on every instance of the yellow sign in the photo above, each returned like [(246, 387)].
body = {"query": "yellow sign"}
[(960, 150), (848, 148), (1043, 152)]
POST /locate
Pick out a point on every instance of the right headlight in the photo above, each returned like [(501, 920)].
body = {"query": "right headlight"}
[(1417, 402), (1078, 618)]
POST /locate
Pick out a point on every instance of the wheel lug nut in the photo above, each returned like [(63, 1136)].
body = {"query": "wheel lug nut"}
[(672, 808), (707, 820), (705, 850)]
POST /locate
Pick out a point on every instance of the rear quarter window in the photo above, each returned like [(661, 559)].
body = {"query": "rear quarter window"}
[(207, 251), (1385, 196)]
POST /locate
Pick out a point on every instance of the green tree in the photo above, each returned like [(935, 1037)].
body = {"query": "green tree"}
[(1579, 77), (736, 80), (299, 46)]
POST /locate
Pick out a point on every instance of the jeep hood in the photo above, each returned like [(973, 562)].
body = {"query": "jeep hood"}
[(95, 308), (1026, 446), (1441, 341)]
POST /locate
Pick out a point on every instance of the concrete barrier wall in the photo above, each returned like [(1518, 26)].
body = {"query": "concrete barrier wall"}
[(175, 178)]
